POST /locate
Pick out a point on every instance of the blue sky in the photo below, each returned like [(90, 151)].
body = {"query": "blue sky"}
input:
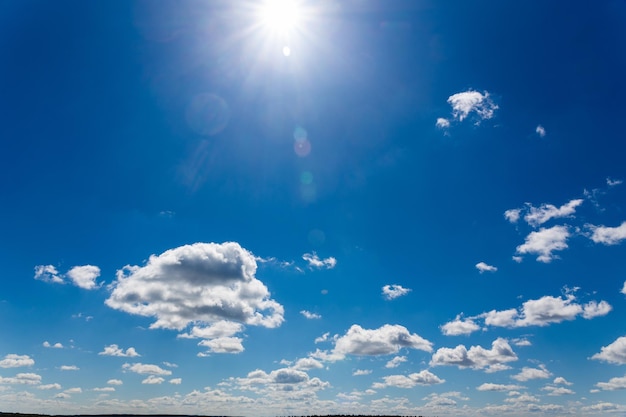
[(349, 207)]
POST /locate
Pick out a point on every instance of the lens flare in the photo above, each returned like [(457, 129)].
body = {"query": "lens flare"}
[(280, 15)]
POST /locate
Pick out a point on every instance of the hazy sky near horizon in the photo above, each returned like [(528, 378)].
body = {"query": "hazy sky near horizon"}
[(313, 207)]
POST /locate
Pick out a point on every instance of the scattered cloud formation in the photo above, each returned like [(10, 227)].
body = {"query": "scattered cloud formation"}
[(218, 284), (555, 391), (315, 262), (613, 182), (81, 276), (442, 123), (401, 381), (541, 131), (527, 374), (153, 380), (459, 326), (613, 353), (309, 315), (476, 357), (16, 361), (49, 386), (536, 216), (28, 378), (386, 340), (57, 345), (544, 242), (483, 267), (48, 273), (114, 350), (608, 235), (393, 291)]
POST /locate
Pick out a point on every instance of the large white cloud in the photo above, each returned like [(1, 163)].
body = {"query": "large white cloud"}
[(613, 384), (203, 283), (386, 340), (476, 357), (608, 235), (16, 361), (544, 242), (614, 352), (472, 102)]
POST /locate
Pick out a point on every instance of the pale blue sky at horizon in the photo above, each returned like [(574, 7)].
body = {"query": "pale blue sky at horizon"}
[(283, 207)]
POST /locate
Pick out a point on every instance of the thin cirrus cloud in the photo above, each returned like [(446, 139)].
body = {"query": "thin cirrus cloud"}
[(538, 312), (81, 276), (218, 284), (393, 291)]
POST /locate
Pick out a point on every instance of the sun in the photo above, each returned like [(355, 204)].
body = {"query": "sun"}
[(280, 16)]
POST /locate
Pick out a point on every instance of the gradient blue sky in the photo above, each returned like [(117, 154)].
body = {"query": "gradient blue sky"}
[(403, 207)]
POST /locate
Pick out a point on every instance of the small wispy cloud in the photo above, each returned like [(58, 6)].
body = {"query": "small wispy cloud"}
[(483, 267), (309, 315), (315, 261), (541, 131)]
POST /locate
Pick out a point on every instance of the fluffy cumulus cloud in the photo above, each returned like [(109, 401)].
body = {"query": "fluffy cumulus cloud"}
[(81, 276), (393, 291), (409, 381), (69, 368), (210, 285), (223, 345), (472, 102), (386, 340), (513, 215), (146, 369), (442, 123), (309, 315), (608, 235), (544, 242), (52, 346), (115, 350), (483, 267), (294, 382), (526, 374), (16, 361), (613, 384), (153, 380), (536, 216), (459, 326), (554, 391), (28, 378), (498, 387), (614, 352), (476, 357), (316, 262), (395, 362)]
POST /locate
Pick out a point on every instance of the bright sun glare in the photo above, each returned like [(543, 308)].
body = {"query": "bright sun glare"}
[(280, 15)]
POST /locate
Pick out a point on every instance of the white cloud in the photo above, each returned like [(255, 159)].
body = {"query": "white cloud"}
[(562, 381), (115, 382), (386, 340), (614, 352), (84, 276), (522, 341), (146, 369), (613, 384), (623, 291), (442, 123), (55, 346), (323, 338), (544, 242), (222, 328), (306, 364), (594, 309), (476, 357), (223, 345), (217, 282), (483, 267), (557, 391), (309, 315), (361, 372), (22, 378), (394, 291), (512, 215), (114, 350), (498, 387), (541, 131), (104, 389), (537, 216), (69, 368), (315, 261), (176, 381), (48, 273), (613, 182), (472, 102), (527, 374), (15, 361), (49, 386), (608, 235), (459, 326), (153, 380), (395, 362), (401, 381)]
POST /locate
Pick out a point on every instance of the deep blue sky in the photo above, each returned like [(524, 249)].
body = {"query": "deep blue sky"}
[(405, 169)]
